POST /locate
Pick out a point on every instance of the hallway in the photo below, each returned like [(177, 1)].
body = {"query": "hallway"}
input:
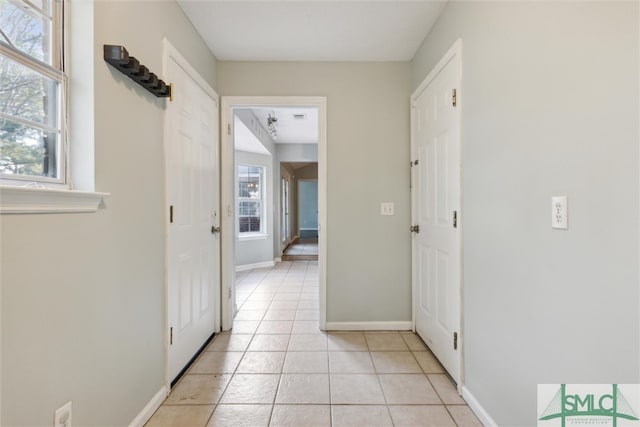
[(277, 368)]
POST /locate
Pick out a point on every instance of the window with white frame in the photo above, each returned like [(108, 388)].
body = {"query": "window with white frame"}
[(251, 200), (32, 81)]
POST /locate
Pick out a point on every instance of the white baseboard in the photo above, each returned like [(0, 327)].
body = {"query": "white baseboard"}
[(477, 409), (369, 326), (246, 267), (151, 408)]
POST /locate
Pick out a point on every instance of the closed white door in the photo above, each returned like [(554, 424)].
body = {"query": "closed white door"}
[(436, 212), (193, 199)]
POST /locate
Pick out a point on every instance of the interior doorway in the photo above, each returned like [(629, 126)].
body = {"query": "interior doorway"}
[(266, 109)]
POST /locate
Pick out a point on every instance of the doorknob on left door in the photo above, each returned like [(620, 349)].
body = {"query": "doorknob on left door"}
[(215, 229)]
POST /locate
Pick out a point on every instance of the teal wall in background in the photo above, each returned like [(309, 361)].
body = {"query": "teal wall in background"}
[(308, 211)]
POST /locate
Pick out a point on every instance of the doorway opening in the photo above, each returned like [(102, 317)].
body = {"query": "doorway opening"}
[(259, 191), (300, 243)]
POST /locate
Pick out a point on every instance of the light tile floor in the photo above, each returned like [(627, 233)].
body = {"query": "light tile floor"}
[(302, 248), (276, 368)]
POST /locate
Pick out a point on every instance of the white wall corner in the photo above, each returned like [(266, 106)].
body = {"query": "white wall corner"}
[(151, 407), (477, 409)]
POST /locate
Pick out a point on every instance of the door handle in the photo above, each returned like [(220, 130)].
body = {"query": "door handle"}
[(215, 229)]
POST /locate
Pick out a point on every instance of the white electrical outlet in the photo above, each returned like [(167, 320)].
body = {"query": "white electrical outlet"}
[(62, 417), (559, 213), (386, 209)]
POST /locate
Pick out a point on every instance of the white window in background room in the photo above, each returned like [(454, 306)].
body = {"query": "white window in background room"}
[(32, 80), (251, 204)]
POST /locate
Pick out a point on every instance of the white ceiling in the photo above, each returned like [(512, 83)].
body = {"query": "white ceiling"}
[(308, 30), (289, 129)]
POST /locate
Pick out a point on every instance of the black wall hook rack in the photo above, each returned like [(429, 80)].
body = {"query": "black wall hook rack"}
[(119, 58)]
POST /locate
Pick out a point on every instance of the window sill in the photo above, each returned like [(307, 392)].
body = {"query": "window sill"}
[(23, 200), (256, 236)]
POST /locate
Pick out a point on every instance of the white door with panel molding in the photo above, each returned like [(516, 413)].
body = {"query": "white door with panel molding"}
[(436, 167), (193, 201)]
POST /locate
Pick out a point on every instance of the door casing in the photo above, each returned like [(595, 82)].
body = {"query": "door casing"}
[(227, 205)]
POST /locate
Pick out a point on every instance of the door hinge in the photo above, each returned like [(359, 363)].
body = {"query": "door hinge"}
[(454, 98), (171, 335), (415, 229), (455, 219), (228, 128), (455, 340), (171, 214)]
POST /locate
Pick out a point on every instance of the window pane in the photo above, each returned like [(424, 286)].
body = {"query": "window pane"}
[(28, 32), (28, 151), (28, 95)]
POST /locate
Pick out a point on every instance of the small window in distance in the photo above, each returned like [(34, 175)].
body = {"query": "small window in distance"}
[(32, 81), (251, 200)]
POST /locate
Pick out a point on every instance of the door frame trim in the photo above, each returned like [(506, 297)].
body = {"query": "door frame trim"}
[(228, 198), (169, 52), (454, 52)]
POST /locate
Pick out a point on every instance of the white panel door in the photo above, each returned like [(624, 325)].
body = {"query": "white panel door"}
[(193, 196), (436, 211)]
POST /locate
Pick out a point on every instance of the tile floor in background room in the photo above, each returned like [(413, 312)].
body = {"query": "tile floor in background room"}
[(277, 368)]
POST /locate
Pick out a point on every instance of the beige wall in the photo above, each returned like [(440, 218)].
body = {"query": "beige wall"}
[(542, 116), (82, 294), (368, 262)]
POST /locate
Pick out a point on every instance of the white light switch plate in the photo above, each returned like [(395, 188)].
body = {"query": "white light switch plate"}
[(559, 213), (386, 209)]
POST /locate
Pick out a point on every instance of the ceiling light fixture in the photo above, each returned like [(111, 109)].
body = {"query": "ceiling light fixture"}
[(272, 123)]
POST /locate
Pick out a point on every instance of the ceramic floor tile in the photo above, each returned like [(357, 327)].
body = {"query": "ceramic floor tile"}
[(301, 416), (287, 296), (360, 416), (310, 296), (408, 389), (181, 416), (308, 305), (463, 416), (308, 342), (261, 296), (356, 389), (418, 415), (240, 416), (347, 341), (414, 342), (307, 314), (446, 390), (283, 305), (428, 362), (251, 388), (198, 390), (249, 315), (216, 362), (304, 388), (255, 305), (385, 341), (305, 327), (245, 326), (269, 342), (350, 362), (395, 362), (275, 314), (308, 362), (229, 342), (261, 362), (275, 327)]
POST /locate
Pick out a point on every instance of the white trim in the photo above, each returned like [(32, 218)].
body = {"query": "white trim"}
[(277, 260), (246, 267), (477, 409), (148, 411), (21, 200), (228, 197), (369, 326), (243, 237)]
